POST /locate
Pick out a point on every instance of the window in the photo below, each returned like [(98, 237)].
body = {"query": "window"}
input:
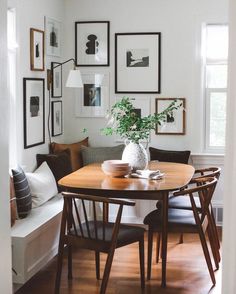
[(12, 46), (216, 59)]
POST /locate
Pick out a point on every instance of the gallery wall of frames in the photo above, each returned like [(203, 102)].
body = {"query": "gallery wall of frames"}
[(137, 63)]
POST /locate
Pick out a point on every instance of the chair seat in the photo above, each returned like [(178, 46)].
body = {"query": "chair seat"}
[(104, 232), (176, 218), (183, 202)]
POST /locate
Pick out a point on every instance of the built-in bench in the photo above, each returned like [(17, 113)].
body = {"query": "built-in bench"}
[(35, 239)]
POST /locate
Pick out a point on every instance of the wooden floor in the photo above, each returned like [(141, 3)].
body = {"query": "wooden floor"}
[(186, 272)]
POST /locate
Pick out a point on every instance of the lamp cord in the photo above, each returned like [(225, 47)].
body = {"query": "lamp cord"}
[(49, 111)]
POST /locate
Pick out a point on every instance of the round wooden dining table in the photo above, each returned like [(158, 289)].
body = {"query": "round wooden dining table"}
[(91, 180)]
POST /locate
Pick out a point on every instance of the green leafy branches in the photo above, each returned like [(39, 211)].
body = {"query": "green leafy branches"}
[(124, 120)]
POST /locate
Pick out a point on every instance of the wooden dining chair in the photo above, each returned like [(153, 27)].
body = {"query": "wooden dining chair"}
[(188, 221), (183, 202), (84, 224)]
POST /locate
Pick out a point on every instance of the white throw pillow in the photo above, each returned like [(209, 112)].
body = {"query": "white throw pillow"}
[(42, 185)]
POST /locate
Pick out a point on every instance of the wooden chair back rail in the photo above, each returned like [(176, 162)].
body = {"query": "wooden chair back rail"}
[(207, 181), (99, 199), (207, 172)]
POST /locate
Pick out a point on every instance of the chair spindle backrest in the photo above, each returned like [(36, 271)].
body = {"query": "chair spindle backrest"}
[(85, 218)]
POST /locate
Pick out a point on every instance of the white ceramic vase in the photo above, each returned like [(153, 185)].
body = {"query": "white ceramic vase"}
[(136, 155)]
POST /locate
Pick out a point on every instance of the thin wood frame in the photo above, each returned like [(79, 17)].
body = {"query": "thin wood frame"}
[(78, 43), (171, 129), (35, 50)]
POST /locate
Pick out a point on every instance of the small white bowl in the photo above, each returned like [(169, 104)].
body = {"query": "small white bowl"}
[(115, 172), (116, 163)]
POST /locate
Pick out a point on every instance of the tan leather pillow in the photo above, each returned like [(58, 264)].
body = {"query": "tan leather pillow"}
[(12, 202), (75, 148)]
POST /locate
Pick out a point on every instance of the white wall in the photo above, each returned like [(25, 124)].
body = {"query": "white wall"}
[(5, 264), (180, 24), (30, 14), (229, 232)]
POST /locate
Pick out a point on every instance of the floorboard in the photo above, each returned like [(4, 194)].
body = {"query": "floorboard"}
[(186, 272)]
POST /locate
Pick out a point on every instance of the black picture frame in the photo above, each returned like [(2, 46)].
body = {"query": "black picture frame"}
[(89, 35), (56, 70), (34, 111), (138, 63), (57, 118)]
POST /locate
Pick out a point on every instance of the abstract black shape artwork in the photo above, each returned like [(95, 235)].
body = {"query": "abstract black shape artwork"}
[(34, 106), (92, 45), (53, 38)]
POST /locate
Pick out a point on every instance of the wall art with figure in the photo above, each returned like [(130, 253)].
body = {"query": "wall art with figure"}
[(93, 99)]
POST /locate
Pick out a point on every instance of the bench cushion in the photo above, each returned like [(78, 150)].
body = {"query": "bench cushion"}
[(38, 217)]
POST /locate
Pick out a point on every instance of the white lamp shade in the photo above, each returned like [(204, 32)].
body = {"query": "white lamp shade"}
[(74, 79)]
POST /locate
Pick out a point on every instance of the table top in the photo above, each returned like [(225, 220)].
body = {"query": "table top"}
[(91, 180)]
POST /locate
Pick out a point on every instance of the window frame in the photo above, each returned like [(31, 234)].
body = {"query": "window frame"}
[(209, 90)]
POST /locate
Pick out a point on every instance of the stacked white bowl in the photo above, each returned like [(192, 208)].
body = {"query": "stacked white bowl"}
[(116, 168)]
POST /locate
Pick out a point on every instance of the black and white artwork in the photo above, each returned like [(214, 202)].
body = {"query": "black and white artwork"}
[(138, 63), (92, 43), (34, 117), (174, 123), (56, 118), (93, 99), (36, 50), (53, 36), (56, 69), (92, 95), (34, 106), (137, 58)]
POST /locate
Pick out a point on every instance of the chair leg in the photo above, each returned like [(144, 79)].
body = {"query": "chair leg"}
[(213, 245), (215, 228), (141, 260), (59, 268), (207, 255), (149, 257), (107, 270), (69, 247), (181, 238), (158, 244), (97, 260)]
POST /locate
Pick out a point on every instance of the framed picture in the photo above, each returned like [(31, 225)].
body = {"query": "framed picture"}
[(142, 108), (175, 122), (56, 118), (34, 117), (92, 42), (93, 99), (36, 50), (138, 63), (53, 36), (56, 69)]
